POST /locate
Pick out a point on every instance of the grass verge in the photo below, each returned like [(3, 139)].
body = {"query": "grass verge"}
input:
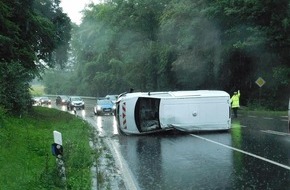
[(26, 159)]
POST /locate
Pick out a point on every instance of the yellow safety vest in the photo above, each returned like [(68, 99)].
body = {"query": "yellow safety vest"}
[(235, 100)]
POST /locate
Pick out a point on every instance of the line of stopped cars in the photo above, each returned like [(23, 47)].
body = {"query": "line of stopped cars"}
[(104, 106), (41, 100), (71, 102)]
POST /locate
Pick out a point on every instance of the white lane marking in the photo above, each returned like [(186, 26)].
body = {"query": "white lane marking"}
[(129, 180), (244, 152), (232, 127), (275, 132)]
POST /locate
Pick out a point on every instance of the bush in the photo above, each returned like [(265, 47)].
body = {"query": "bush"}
[(14, 94)]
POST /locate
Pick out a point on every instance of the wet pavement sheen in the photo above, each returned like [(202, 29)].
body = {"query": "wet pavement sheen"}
[(250, 156)]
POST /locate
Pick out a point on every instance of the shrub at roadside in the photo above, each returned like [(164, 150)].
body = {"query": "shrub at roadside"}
[(26, 159)]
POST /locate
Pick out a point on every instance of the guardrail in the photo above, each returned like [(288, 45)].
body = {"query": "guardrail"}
[(83, 97)]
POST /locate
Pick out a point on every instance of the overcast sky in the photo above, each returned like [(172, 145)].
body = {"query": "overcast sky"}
[(74, 7)]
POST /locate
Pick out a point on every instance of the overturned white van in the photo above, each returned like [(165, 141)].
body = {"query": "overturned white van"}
[(149, 112)]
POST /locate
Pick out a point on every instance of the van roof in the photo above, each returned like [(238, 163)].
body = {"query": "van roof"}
[(199, 93), (195, 93)]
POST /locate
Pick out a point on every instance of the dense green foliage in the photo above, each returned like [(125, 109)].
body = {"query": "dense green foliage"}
[(152, 45), (34, 34), (26, 159)]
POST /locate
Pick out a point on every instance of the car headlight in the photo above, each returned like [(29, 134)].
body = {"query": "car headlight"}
[(99, 107)]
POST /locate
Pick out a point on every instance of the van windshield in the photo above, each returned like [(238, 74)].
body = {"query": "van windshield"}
[(147, 114)]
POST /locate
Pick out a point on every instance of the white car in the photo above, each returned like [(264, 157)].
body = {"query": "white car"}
[(75, 102), (201, 110), (38, 101)]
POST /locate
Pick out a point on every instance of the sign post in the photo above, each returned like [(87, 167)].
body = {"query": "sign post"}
[(57, 137), (260, 82), (57, 151)]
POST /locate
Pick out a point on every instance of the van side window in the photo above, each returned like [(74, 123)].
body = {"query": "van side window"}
[(147, 114)]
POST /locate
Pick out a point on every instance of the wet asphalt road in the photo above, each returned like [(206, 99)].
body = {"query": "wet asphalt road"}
[(254, 154), (245, 158)]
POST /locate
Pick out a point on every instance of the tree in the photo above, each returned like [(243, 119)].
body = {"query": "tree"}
[(122, 32), (184, 45), (255, 41), (32, 34), (195, 40)]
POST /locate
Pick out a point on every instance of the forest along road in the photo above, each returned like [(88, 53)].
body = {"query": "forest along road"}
[(254, 154)]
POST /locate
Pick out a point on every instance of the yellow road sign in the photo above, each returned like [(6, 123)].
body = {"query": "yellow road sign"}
[(260, 81)]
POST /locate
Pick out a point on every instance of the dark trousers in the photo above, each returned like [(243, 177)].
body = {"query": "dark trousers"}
[(235, 110)]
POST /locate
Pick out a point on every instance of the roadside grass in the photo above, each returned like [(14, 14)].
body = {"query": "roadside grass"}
[(37, 90), (26, 159)]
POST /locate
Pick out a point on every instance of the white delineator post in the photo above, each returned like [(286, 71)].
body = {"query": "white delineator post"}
[(60, 163), (57, 137)]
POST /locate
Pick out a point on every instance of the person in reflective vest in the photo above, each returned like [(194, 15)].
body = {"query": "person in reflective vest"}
[(235, 102)]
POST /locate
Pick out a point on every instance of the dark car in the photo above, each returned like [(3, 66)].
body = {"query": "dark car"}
[(75, 102), (61, 100), (104, 107), (36, 101), (44, 100)]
